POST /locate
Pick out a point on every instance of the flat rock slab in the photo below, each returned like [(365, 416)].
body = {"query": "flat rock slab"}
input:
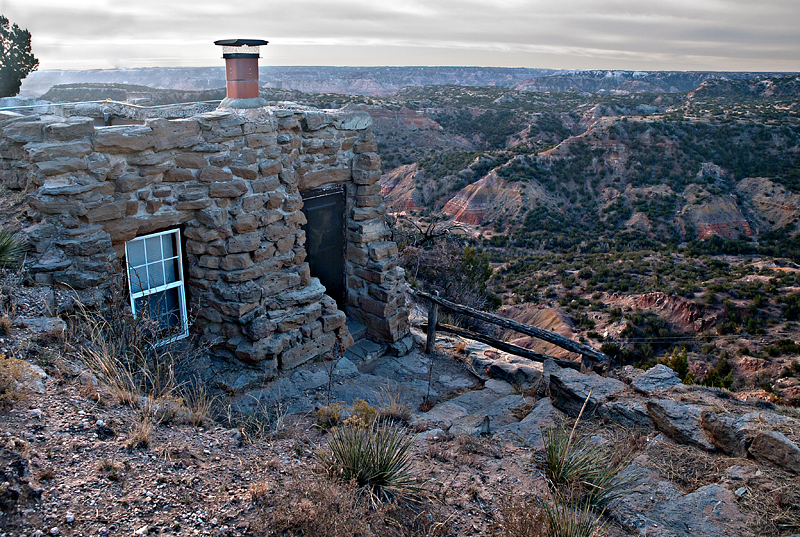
[(499, 386), (655, 508), (370, 389), (365, 351), (656, 379), (479, 402), (569, 389), (528, 432), (679, 421)]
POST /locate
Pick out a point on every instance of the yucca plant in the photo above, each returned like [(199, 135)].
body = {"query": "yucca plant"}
[(11, 248), (376, 458), (581, 472)]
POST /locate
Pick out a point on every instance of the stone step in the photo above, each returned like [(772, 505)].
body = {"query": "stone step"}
[(356, 329), (365, 352)]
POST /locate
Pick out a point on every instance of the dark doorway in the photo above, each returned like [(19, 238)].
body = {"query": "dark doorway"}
[(324, 210)]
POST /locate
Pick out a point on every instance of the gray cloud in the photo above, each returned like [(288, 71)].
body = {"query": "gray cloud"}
[(616, 34)]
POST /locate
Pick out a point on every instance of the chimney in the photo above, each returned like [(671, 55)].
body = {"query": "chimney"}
[(241, 72)]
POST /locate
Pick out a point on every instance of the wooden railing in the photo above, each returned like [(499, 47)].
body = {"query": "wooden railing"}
[(589, 354)]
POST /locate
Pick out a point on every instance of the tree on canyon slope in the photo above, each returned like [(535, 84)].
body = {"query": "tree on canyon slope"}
[(16, 58)]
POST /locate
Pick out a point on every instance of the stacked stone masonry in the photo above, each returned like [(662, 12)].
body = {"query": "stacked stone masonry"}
[(231, 181)]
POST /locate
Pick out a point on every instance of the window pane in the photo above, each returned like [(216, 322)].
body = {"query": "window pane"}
[(172, 272), (156, 273), (138, 278), (163, 308), (153, 246), (173, 308), (168, 245), (136, 253)]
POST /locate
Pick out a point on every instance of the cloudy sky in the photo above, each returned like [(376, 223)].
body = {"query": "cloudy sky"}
[(751, 35)]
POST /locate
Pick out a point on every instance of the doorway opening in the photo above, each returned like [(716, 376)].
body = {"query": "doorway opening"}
[(325, 238)]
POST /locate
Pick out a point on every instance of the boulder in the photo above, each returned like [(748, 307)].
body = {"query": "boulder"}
[(656, 379), (472, 425), (626, 413), (570, 389), (724, 431), (528, 432), (774, 447), (679, 421)]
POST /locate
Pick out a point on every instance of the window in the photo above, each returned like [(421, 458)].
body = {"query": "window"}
[(155, 280)]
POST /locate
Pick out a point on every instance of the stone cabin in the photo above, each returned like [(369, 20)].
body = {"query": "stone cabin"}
[(260, 229)]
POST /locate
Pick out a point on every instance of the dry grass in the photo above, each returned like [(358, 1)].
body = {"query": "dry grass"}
[(774, 510), (533, 518), (772, 499), (688, 467), (141, 431), (313, 506), (111, 470), (521, 518), (5, 325), (197, 402), (391, 409), (12, 373)]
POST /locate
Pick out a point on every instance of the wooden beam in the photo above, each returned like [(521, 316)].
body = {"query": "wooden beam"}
[(546, 335), (505, 347)]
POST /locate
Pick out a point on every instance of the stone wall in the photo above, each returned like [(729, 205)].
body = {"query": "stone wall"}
[(232, 181)]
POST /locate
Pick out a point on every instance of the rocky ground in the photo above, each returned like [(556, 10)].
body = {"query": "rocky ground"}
[(77, 461)]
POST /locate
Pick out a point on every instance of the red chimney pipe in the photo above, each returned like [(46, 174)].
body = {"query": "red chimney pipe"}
[(241, 72)]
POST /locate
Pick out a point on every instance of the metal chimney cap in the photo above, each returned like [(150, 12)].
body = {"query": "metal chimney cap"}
[(241, 42)]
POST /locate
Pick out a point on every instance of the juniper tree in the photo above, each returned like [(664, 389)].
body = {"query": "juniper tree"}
[(16, 58)]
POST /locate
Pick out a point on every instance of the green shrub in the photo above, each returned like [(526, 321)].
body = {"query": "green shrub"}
[(721, 376), (678, 362), (11, 248), (376, 458)]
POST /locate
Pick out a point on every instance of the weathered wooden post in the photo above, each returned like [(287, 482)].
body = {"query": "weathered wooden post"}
[(433, 318)]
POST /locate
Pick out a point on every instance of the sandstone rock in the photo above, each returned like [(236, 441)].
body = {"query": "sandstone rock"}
[(309, 380), (569, 390), (656, 379), (499, 386), (345, 368), (71, 129), (471, 425), (39, 152), (627, 413), (724, 431), (513, 373), (528, 431), (232, 189), (774, 447), (402, 346), (679, 421), (123, 139)]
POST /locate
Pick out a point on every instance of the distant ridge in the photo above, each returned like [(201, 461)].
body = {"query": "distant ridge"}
[(382, 81)]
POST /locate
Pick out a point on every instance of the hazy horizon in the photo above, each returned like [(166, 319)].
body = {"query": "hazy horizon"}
[(672, 35)]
